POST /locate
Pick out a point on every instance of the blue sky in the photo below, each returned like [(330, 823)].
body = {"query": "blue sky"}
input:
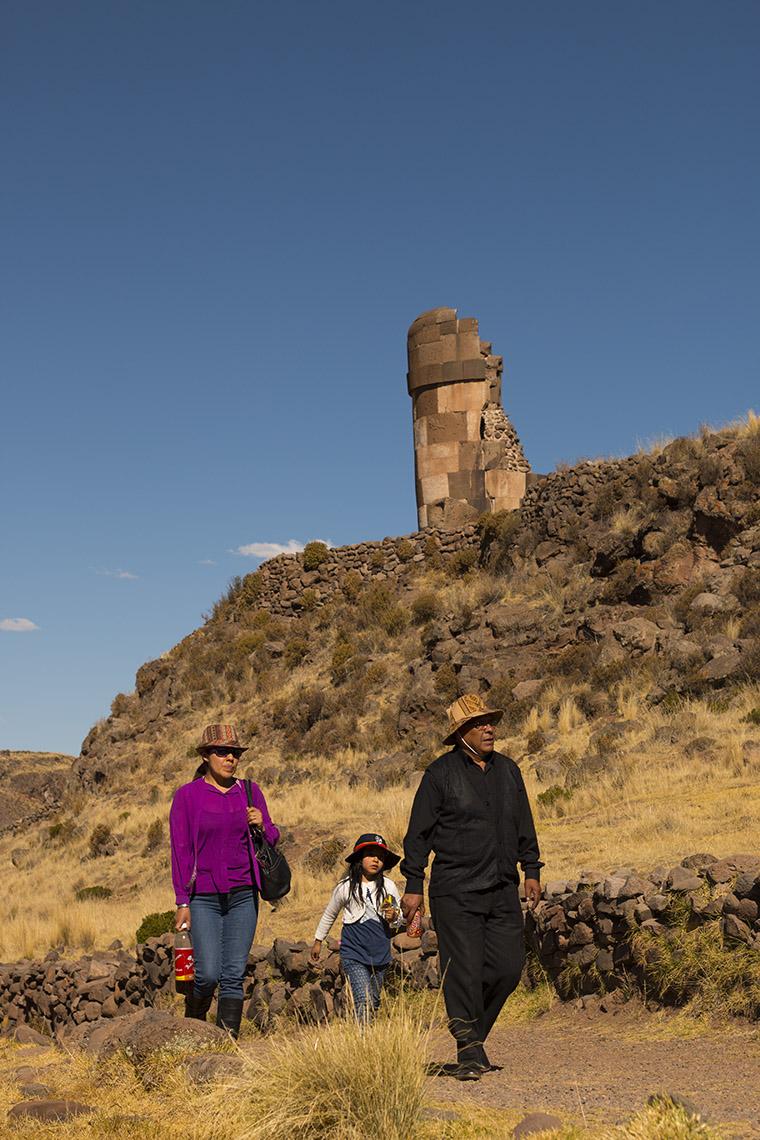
[(218, 221)]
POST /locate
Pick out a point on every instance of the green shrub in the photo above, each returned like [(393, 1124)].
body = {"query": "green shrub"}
[(308, 599), (100, 838), (575, 660), (314, 554), (377, 558), (553, 795), (750, 624), (343, 662), (404, 550), (351, 585), (375, 674), (606, 503), (425, 607), (120, 705), (62, 830), (749, 449), (622, 582), (497, 535), (462, 561), (445, 682), (96, 892), (394, 620), (154, 925), (748, 587), (251, 588), (154, 837), (710, 469), (377, 606), (752, 717), (751, 663), (296, 650), (535, 742)]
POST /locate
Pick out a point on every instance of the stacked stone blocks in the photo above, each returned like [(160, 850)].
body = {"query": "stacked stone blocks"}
[(468, 458)]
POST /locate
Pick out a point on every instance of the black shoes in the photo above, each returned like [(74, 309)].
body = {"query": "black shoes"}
[(468, 1072), (229, 1013), (197, 1007)]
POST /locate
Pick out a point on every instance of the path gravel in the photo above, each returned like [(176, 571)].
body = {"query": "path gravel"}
[(603, 1066)]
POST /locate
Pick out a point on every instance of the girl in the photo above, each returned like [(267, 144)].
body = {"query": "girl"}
[(215, 873), (371, 912)]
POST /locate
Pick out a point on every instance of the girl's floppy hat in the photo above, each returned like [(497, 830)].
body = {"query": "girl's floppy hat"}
[(372, 839)]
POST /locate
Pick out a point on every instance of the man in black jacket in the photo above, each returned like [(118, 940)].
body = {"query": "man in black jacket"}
[(471, 809)]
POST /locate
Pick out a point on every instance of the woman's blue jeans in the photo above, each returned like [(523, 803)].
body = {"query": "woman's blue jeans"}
[(223, 926), (366, 982)]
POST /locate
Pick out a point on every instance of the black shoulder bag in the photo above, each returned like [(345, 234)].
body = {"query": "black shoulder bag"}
[(273, 866)]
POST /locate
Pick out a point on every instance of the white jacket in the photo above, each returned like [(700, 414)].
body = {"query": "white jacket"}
[(353, 911)]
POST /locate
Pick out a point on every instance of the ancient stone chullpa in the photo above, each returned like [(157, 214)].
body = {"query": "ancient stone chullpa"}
[(468, 458)]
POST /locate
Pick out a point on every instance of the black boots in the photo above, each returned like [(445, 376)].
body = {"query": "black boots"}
[(197, 1006), (229, 1012)]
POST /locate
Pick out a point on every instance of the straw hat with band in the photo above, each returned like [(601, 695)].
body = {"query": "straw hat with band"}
[(372, 839), (220, 736), (467, 708)]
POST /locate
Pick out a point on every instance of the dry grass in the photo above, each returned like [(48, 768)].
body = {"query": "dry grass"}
[(347, 1082), (651, 804)]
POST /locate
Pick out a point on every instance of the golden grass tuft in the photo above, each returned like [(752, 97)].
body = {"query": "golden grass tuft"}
[(345, 1081), (663, 1120)]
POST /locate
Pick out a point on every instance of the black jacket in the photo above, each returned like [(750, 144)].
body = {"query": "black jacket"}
[(478, 824)]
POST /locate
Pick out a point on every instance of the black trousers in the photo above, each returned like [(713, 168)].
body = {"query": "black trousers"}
[(481, 943)]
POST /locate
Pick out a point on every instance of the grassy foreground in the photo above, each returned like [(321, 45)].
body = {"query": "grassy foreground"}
[(340, 1082)]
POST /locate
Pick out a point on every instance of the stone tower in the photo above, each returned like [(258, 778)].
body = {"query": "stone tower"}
[(468, 458)]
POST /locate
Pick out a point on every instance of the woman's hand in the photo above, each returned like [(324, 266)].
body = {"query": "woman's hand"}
[(182, 918), (255, 818), (316, 950)]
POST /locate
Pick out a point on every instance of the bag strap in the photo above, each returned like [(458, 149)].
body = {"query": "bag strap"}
[(248, 794)]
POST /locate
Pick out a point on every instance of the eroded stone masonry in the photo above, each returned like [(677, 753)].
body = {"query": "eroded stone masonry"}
[(468, 457)]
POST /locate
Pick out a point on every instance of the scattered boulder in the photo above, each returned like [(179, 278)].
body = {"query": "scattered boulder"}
[(48, 1111), (208, 1067), (536, 1122)]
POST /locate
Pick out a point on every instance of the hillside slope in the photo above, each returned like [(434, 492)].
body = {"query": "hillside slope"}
[(615, 617)]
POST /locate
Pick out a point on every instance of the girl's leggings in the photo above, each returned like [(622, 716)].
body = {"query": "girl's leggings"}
[(366, 982)]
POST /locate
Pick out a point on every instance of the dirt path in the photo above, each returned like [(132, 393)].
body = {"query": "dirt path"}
[(602, 1067)]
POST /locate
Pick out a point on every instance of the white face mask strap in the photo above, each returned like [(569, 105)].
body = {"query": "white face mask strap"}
[(468, 748)]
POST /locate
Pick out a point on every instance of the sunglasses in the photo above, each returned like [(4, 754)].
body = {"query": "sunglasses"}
[(217, 750)]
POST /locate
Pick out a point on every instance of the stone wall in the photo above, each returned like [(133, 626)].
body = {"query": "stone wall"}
[(582, 935), (468, 458), (283, 582)]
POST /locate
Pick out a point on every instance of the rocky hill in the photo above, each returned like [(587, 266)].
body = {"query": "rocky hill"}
[(644, 570), (615, 618), (32, 786)]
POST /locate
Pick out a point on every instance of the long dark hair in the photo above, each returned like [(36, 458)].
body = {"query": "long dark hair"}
[(202, 769), (354, 878)]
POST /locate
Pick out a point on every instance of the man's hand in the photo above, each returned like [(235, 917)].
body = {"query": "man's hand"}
[(410, 904), (316, 950), (532, 893), (182, 918)]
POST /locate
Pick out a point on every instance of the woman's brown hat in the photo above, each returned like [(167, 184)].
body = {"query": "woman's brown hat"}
[(220, 736), (468, 707)]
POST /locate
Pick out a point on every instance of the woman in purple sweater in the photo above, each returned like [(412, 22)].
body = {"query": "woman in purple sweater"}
[(215, 874)]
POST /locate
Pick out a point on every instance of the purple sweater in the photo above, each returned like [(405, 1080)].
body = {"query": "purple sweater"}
[(211, 844)]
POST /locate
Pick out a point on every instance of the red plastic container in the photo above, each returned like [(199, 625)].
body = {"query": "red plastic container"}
[(184, 962)]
